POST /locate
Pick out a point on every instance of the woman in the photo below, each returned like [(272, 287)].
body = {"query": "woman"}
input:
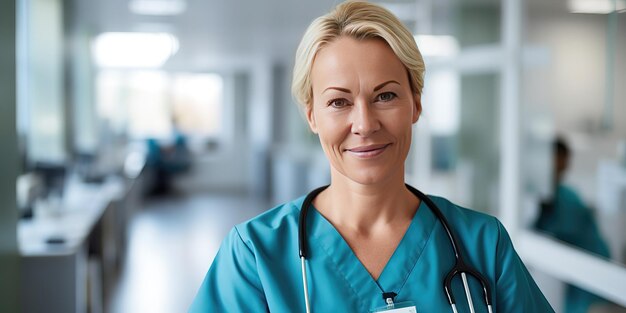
[(370, 242)]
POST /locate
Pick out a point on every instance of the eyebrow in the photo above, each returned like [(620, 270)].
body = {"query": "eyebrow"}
[(385, 84), (380, 86), (337, 88)]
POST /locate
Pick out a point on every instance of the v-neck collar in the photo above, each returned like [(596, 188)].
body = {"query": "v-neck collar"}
[(398, 267)]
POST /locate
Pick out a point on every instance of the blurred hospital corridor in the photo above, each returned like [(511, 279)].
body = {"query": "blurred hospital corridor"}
[(172, 241), (135, 134)]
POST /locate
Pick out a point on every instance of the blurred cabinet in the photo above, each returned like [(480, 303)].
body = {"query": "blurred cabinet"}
[(70, 258)]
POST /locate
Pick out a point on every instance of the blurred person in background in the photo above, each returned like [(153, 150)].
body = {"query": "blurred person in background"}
[(370, 242), (167, 160), (566, 217)]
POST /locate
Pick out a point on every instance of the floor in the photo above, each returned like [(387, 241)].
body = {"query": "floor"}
[(172, 241)]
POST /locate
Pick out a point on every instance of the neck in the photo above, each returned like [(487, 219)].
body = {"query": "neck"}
[(363, 207)]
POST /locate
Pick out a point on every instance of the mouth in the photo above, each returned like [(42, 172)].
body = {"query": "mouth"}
[(368, 151)]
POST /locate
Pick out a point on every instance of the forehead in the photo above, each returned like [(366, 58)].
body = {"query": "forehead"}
[(347, 60)]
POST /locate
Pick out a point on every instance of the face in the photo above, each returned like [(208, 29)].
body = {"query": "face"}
[(363, 109)]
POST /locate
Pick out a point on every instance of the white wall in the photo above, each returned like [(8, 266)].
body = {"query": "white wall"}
[(241, 164), (226, 168), (570, 88), (572, 84)]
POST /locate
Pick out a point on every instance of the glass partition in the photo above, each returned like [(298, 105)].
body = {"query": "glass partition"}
[(574, 121), (456, 153), (42, 107), (573, 136)]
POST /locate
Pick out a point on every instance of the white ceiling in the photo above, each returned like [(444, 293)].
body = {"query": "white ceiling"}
[(211, 29)]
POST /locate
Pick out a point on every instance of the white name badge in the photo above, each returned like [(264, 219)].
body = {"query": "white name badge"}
[(410, 309), (405, 307)]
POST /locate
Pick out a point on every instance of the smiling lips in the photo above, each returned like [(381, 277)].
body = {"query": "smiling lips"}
[(370, 151)]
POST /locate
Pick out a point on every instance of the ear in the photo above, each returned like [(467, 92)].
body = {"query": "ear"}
[(310, 117), (417, 109)]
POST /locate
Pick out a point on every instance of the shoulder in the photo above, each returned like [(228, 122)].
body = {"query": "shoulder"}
[(567, 190), (481, 231), (492, 253), (570, 203), (569, 194), (271, 224), (466, 219)]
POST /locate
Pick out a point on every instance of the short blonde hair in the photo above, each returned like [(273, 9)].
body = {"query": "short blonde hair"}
[(358, 20)]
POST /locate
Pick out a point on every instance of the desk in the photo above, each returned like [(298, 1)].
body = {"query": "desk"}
[(54, 276)]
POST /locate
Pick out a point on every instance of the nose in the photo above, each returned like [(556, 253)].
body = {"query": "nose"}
[(364, 119)]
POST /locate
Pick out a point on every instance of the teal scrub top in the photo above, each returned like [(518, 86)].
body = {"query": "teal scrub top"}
[(257, 268)]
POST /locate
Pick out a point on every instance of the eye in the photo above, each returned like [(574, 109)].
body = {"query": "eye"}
[(338, 103), (386, 96)]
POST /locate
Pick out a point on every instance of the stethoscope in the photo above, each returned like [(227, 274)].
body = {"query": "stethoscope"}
[(459, 267)]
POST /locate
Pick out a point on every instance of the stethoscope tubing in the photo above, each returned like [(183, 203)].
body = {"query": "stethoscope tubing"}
[(306, 286), (460, 267)]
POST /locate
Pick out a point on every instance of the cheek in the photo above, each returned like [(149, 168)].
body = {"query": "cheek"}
[(399, 124), (330, 137), (331, 131)]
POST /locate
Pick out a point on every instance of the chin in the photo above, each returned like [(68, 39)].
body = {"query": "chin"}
[(372, 176)]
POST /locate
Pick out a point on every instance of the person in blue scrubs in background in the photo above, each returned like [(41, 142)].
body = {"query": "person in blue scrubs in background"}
[(567, 218), (359, 77)]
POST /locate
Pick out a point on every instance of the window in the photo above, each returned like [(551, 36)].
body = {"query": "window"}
[(157, 104)]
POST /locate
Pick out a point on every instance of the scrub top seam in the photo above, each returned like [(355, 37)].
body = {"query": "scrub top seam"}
[(256, 264), (244, 242), (430, 236), (343, 276)]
